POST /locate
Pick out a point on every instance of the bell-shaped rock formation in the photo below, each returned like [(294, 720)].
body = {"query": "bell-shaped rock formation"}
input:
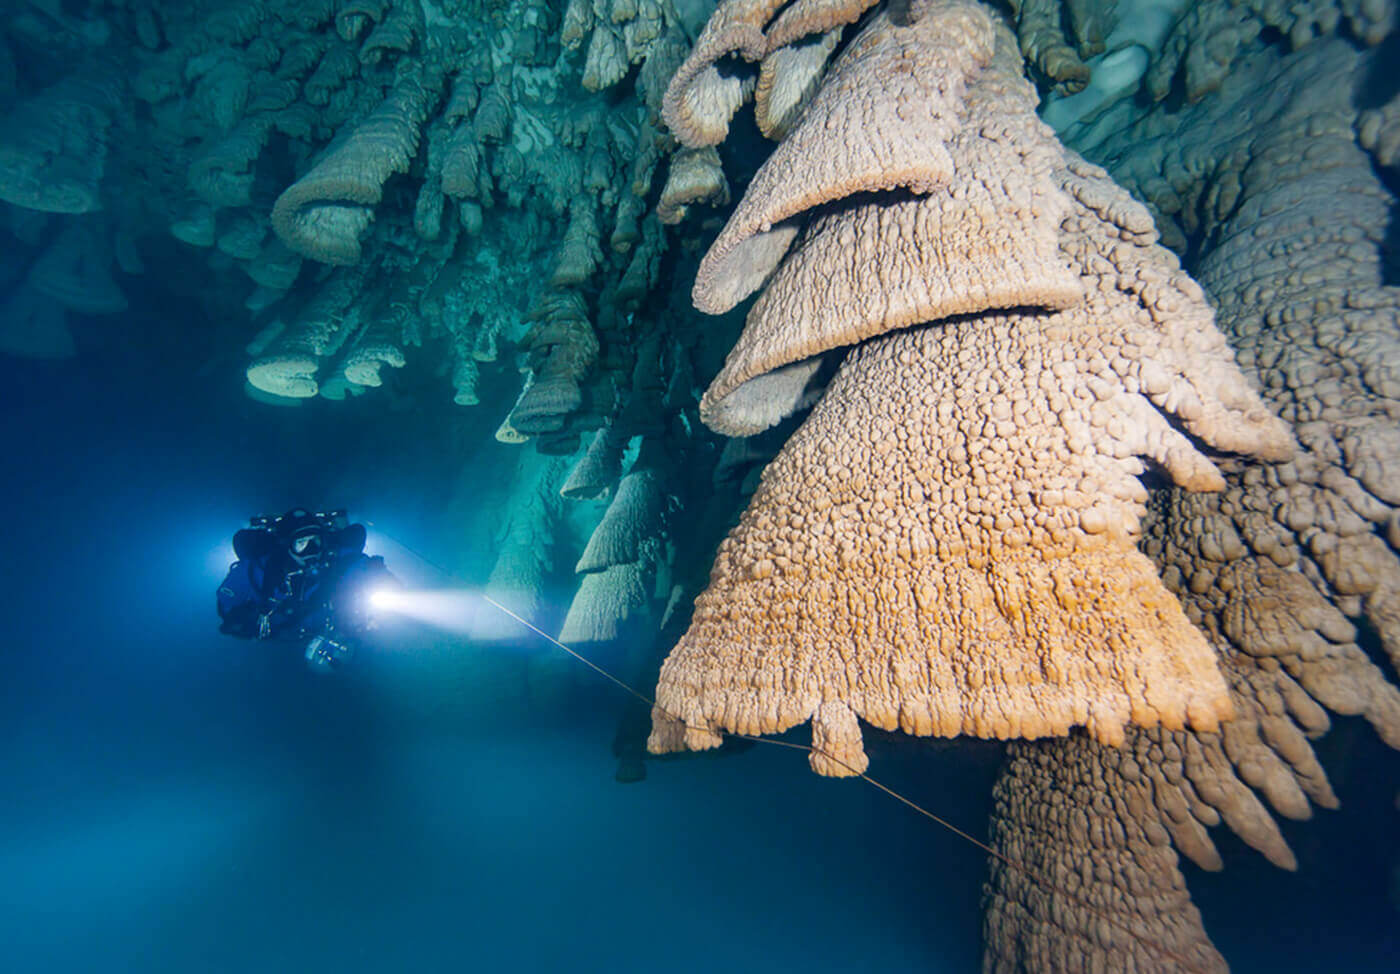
[(947, 545)]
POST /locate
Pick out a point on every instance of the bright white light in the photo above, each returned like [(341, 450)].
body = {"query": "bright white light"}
[(461, 611), (383, 599)]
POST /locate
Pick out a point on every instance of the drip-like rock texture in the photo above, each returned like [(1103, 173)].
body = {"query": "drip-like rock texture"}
[(1283, 564), (946, 545), (323, 214), (618, 565), (465, 160), (53, 145), (1291, 570), (879, 122), (1210, 35), (1047, 43), (1092, 881), (719, 74)]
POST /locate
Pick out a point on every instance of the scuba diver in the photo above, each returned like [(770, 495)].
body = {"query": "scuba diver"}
[(303, 577)]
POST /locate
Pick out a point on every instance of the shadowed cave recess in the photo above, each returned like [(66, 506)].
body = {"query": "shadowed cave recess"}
[(1004, 396)]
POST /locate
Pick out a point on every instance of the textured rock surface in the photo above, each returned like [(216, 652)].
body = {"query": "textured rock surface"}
[(53, 149), (714, 81), (1297, 221), (1212, 34), (961, 560), (1095, 885), (1287, 568), (452, 148), (863, 270), (323, 214), (879, 122)]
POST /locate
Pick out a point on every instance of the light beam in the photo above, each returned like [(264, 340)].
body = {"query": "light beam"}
[(463, 612)]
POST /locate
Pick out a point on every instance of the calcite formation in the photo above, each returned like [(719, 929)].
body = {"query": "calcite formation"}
[(1291, 564), (960, 559)]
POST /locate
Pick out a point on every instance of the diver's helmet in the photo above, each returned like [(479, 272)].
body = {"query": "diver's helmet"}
[(306, 545)]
